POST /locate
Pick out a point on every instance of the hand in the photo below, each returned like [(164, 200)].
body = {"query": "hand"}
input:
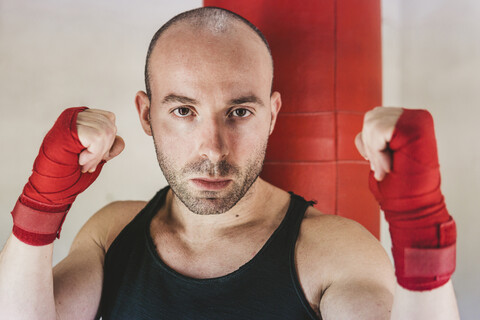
[(401, 142), (97, 133), (81, 140), (372, 142)]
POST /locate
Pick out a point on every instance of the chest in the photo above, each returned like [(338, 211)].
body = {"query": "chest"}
[(214, 258), (228, 254), (151, 277)]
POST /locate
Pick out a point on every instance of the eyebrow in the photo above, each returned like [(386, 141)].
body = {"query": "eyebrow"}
[(177, 98), (236, 101), (246, 99)]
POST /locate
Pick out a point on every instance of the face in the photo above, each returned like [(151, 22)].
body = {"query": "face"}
[(210, 114)]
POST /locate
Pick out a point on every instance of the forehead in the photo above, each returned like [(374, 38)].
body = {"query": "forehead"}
[(201, 57)]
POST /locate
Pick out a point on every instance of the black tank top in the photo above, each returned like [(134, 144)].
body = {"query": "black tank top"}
[(139, 285)]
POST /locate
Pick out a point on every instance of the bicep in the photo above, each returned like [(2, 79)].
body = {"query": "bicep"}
[(362, 278), (356, 299), (78, 278)]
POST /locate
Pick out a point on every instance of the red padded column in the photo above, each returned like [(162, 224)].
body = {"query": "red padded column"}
[(327, 58)]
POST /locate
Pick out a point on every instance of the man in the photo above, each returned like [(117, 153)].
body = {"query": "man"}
[(219, 243)]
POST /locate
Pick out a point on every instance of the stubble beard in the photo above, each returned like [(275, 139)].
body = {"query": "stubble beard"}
[(211, 202)]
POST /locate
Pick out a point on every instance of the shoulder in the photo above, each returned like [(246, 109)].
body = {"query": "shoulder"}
[(333, 249), (341, 242), (336, 230), (105, 225), (318, 228)]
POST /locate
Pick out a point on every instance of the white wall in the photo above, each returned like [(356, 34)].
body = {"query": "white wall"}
[(431, 56), (62, 53)]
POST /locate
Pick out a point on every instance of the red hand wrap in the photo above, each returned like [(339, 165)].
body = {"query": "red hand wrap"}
[(423, 233), (55, 182)]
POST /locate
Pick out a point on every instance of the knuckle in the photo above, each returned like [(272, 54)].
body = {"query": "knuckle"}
[(110, 131), (367, 115), (111, 116)]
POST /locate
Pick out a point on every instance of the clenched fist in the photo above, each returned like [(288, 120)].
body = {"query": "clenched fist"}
[(97, 133), (373, 141), (70, 159), (401, 147)]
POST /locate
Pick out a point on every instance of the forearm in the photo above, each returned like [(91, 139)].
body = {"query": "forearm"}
[(70, 159), (26, 281), (439, 303)]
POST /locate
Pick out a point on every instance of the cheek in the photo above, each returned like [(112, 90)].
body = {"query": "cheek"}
[(174, 141), (246, 140)]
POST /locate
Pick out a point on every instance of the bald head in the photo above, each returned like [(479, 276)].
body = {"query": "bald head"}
[(216, 21)]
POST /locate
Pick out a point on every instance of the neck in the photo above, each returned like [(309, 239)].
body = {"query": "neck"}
[(252, 207)]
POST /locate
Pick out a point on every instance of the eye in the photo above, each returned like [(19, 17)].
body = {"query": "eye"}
[(241, 113), (182, 112)]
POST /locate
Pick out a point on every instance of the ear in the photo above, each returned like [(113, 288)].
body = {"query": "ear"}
[(275, 105), (143, 108)]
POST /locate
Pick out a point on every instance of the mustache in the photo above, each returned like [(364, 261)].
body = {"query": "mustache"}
[(207, 167)]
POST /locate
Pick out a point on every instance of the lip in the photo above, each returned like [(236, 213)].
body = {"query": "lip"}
[(211, 184)]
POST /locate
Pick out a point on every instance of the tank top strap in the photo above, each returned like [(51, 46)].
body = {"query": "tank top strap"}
[(140, 222), (155, 203), (296, 215)]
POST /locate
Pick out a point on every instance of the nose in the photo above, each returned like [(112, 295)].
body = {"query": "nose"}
[(213, 140)]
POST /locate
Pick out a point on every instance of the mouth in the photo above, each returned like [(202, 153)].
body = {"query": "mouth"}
[(211, 184)]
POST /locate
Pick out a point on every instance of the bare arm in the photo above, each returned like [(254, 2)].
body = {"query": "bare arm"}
[(439, 303), (30, 289), (26, 290), (356, 299), (361, 278), (364, 289), (78, 279)]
